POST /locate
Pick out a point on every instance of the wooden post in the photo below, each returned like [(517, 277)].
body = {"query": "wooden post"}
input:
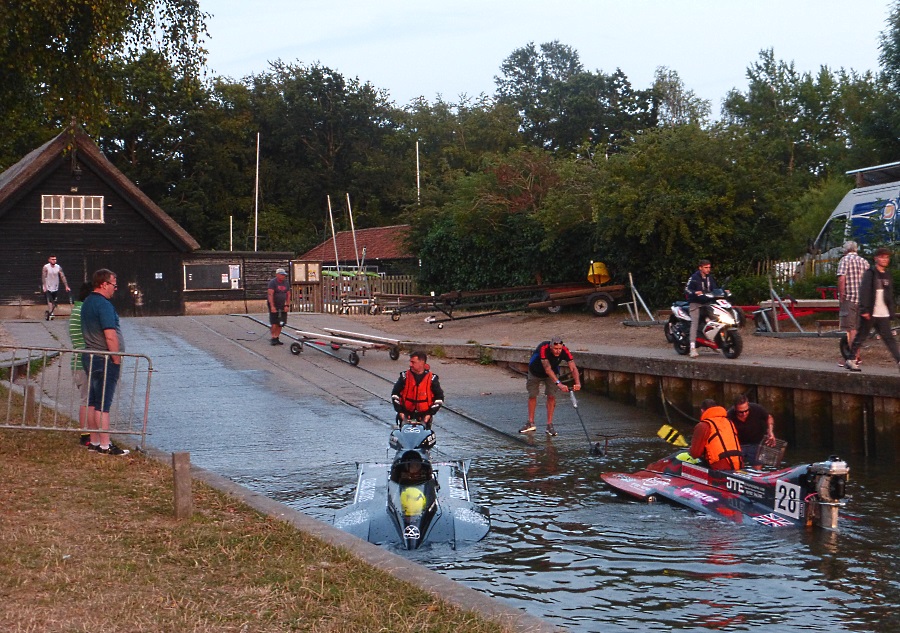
[(621, 386), (181, 469), (646, 392), (30, 404)]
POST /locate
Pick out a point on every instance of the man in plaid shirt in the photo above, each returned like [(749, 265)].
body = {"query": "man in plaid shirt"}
[(849, 273)]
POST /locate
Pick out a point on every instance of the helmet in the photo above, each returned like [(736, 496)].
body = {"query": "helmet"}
[(412, 501)]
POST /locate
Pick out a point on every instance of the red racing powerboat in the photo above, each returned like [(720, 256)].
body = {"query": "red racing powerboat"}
[(787, 497)]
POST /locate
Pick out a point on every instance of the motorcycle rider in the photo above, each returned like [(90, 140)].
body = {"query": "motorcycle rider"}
[(700, 283), (417, 394)]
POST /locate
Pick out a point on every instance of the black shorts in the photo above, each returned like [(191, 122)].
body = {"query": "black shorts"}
[(278, 318)]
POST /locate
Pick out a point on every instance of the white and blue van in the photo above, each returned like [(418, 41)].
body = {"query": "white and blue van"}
[(867, 214)]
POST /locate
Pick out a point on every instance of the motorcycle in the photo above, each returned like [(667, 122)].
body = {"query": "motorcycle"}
[(718, 327)]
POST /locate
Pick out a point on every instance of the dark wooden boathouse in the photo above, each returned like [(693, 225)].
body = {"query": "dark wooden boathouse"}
[(66, 199)]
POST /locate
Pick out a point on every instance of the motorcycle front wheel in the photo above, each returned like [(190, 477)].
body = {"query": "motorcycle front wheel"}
[(681, 343), (732, 344)]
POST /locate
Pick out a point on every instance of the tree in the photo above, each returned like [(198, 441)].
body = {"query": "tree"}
[(490, 233), (680, 194), (889, 57), (676, 105), (58, 58), (527, 80), (795, 119), (324, 134)]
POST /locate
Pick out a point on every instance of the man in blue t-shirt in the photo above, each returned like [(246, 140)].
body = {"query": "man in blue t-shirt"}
[(100, 327), (544, 368)]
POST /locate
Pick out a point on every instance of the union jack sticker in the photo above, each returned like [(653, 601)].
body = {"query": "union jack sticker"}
[(772, 520)]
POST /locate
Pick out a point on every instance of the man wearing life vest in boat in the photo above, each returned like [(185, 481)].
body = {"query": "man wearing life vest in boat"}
[(417, 394), (715, 439)]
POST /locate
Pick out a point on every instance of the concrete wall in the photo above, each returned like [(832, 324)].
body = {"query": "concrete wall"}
[(849, 413)]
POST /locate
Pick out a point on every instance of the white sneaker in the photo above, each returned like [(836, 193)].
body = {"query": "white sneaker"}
[(852, 365), (694, 353)]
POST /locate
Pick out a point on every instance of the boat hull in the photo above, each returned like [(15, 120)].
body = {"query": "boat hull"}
[(787, 497)]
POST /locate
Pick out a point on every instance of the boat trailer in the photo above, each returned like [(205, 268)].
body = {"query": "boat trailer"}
[(357, 343), (596, 295)]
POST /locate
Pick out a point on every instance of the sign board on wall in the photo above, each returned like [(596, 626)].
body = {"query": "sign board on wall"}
[(212, 276)]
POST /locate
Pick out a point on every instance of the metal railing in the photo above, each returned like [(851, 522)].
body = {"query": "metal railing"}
[(39, 390)]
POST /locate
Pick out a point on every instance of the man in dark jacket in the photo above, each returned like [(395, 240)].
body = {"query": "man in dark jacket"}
[(876, 308), (700, 283)]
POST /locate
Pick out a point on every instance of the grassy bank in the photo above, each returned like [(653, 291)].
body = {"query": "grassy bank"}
[(88, 543)]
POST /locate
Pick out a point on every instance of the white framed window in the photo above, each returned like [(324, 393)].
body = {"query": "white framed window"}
[(77, 209)]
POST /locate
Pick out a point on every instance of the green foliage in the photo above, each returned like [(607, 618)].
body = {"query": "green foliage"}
[(485, 355), (57, 57), (493, 233), (564, 108), (812, 209), (682, 194), (749, 289)]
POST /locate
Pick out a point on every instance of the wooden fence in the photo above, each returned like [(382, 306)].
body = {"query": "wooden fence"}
[(787, 271), (352, 295)]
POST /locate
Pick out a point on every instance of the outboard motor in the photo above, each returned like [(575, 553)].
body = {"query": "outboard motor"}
[(829, 480)]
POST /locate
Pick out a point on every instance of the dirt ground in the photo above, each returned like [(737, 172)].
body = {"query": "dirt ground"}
[(585, 332)]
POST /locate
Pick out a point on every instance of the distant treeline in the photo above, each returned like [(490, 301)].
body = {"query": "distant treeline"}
[(560, 166)]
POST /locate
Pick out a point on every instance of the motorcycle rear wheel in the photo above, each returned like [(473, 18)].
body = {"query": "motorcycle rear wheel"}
[(668, 329), (732, 344)]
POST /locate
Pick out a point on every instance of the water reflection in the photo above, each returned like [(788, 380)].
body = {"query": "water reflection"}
[(565, 548)]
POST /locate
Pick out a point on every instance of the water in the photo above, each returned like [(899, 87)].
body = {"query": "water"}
[(562, 546)]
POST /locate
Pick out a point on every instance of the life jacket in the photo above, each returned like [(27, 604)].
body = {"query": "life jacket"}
[(417, 398), (722, 443)]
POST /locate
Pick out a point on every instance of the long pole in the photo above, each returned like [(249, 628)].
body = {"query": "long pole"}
[(337, 260), (231, 232), (353, 232), (418, 185), (256, 200)]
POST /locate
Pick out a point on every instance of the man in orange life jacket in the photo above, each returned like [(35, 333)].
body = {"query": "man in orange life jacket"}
[(417, 394), (715, 439)]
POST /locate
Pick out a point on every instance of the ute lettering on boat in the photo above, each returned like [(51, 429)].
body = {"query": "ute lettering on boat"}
[(702, 497), (746, 488)]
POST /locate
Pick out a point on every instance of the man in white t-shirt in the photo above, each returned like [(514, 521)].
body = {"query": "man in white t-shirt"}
[(876, 308), (51, 276)]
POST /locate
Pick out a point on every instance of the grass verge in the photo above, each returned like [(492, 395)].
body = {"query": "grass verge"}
[(88, 543)]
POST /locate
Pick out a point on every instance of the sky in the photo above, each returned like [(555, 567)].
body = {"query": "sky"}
[(451, 49)]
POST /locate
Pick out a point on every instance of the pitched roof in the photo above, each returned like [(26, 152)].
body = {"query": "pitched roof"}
[(19, 178), (385, 242)]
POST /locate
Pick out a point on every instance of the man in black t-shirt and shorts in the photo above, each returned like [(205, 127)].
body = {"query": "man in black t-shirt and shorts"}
[(544, 368)]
